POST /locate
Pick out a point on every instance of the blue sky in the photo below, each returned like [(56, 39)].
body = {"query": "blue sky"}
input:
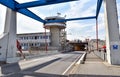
[(75, 29)]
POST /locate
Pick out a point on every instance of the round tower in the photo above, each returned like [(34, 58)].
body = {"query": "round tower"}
[(56, 30)]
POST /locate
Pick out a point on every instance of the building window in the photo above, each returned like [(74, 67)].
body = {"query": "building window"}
[(27, 37), (35, 37), (40, 37), (32, 44), (24, 38), (45, 37), (21, 44), (20, 38), (32, 37), (35, 44)]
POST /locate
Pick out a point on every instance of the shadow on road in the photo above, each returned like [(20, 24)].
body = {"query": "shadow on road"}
[(34, 68), (15, 67), (34, 74), (83, 75), (31, 74), (10, 68)]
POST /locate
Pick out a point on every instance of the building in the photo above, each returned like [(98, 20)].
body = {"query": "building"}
[(78, 45), (92, 44), (29, 40), (57, 30), (32, 40)]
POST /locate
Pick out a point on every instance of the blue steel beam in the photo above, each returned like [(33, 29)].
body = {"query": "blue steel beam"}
[(30, 14), (99, 3), (11, 4), (82, 18), (8, 3), (40, 3), (71, 19)]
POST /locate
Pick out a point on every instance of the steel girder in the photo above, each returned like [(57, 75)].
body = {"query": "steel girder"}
[(8, 3), (40, 3), (12, 4), (30, 14), (22, 8), (71, 19)]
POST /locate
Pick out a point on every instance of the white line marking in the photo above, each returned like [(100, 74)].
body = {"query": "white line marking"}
[(80, 61), (70, 66)]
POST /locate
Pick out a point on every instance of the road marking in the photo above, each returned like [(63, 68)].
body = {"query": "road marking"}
[(81, 60), (3, 75), (71, 66)]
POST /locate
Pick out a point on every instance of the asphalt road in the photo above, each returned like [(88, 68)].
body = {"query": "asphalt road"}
[(51, 66)]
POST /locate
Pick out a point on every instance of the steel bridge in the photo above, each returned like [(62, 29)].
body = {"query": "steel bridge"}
[(113, 46)]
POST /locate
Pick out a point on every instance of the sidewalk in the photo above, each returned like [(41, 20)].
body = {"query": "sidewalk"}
[(95, 67)]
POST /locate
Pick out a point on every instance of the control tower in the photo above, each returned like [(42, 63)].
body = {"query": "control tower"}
[(57, 29)]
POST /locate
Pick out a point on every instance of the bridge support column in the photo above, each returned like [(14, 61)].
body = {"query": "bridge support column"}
[(55, 36), (112, 32), (8, 38)]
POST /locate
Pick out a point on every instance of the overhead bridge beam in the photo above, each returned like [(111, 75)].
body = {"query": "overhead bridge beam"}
[(11, 4), (8, 3), (30, 14), (71, 19), (40, 3), (21, 8), (82, 18)]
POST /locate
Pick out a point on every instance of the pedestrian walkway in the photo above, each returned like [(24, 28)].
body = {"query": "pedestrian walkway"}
[(95, 67)]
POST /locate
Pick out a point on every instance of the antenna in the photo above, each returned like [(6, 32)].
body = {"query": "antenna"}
[(58, 14)]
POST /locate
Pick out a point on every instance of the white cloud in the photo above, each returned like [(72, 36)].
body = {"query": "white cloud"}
[(28, 25), (24, 24), (78, 29), (77, 9), (101, 24), (2, 17), (118, 7), (73, 11)]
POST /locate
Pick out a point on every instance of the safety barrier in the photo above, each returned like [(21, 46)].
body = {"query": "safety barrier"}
[(101, 54), (82, 59)]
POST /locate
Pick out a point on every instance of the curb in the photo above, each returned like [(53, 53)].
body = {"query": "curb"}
[(71, 66), (82, 59)]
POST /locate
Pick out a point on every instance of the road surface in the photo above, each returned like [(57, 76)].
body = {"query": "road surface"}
[(51, 66)]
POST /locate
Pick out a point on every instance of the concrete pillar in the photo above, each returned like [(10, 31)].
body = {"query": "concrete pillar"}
[(112, 32), (8, 40), (55, 36)]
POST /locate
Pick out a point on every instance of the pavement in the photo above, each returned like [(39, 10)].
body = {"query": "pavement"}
[(95, 67), (55, 65)]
